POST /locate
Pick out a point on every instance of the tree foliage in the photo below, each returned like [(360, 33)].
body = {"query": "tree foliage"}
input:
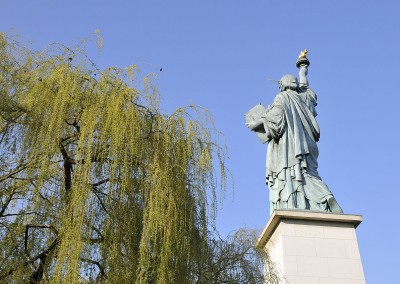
[(96, 185)]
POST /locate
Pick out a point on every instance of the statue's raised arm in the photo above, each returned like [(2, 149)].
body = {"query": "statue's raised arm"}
[(303, 63)]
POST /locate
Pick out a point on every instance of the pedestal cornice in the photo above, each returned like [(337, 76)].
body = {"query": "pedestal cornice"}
[(308, 215)]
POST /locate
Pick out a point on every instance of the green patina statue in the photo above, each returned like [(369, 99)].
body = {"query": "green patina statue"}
[(291, 130)]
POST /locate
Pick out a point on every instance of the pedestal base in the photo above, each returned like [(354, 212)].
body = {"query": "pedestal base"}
[(313, 247)]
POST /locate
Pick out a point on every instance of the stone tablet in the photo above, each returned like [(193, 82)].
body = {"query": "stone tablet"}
[(253, 115)]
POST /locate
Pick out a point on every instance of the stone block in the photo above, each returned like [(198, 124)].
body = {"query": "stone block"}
[(305, 230), (299, 246), (339, 231), (290, 265), (313, 266), (352, 249), (330, 248), (346, 268)]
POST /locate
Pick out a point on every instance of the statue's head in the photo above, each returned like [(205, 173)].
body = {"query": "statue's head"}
[(288, 82)]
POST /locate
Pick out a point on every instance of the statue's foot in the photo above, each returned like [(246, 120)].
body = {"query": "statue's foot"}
[(333, 205)]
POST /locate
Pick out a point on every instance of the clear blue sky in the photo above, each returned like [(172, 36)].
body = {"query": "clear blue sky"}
[(219, 54)]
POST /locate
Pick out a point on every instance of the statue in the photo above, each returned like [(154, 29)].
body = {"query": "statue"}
[(291, 130)]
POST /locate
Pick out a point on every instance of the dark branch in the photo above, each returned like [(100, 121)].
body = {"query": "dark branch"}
[(67, 168)]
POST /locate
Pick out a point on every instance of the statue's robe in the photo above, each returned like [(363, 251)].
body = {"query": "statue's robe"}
[(292, 167)]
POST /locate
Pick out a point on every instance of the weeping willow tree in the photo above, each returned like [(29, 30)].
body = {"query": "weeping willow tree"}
[(96, 185)]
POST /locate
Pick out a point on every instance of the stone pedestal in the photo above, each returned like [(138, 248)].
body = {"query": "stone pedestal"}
[(313, 247)]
